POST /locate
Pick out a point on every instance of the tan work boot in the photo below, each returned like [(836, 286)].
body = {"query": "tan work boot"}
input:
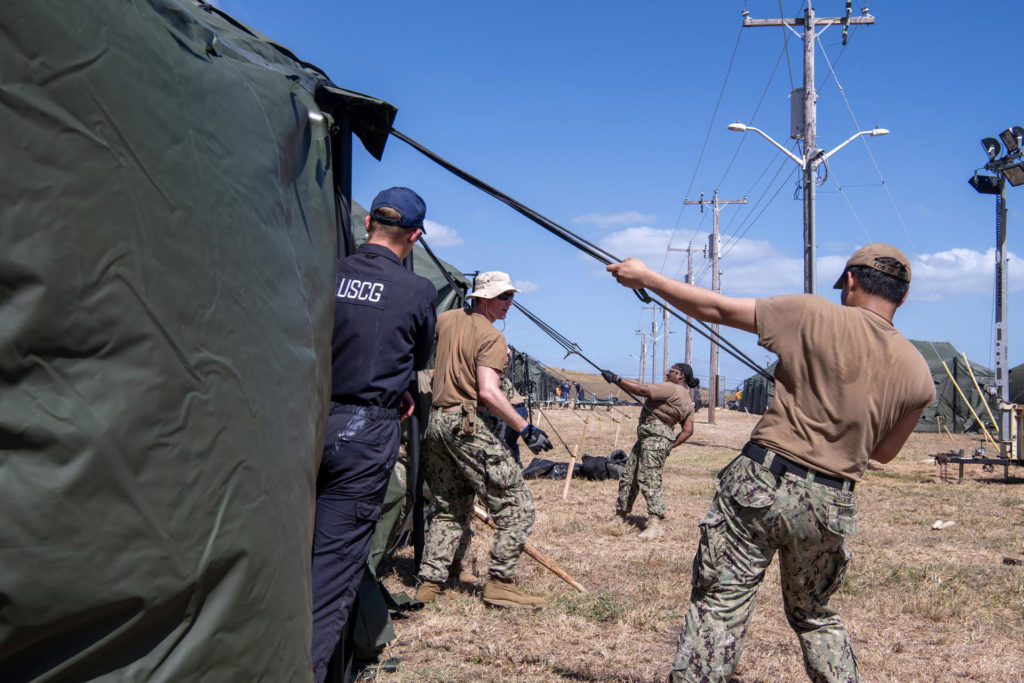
[(458, 573), (653, 529), (503, 593), (428, 592)]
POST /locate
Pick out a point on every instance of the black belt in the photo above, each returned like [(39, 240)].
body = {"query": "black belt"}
[(372, 412), (781, 465)]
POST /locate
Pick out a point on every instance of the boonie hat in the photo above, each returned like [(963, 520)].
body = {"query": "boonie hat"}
[(869, 256), (491, 284), (403, 200)]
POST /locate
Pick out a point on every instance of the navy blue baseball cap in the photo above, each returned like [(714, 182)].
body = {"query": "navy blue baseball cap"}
[(407, 203)]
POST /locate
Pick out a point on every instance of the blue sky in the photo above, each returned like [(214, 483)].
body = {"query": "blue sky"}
[(605, 118)]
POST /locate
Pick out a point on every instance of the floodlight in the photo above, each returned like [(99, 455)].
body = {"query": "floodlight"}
[(986, 184), (1011, 138), (992, 147), (738, 127), (1015, 174)]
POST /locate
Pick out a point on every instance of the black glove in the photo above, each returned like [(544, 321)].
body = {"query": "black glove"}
[(536, 440), (610, 377)]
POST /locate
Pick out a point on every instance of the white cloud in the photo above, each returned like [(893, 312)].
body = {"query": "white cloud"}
[(961, 271), (749, 267), (615, 220), (438, 235), (526, 286), (762, 277), (645, 243)]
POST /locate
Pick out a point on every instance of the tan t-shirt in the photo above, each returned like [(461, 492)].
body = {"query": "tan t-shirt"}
[(670, 403), (845, 377), (464, 341)]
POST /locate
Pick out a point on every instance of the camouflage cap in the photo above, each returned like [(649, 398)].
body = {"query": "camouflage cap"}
[(869, 256)]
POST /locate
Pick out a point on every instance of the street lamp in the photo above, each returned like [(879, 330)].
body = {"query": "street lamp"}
[(809, 162), (1008, 167)]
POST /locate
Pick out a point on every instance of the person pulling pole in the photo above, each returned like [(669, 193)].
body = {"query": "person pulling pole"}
[(849, 388), (668, 404)]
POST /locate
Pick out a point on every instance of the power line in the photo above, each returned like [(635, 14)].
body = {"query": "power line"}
[(707, 136)]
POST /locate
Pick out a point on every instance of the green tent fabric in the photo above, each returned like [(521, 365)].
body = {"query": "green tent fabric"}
[(1017, 384), (949, 409), (530, 378), (758, 392), (168, 216)]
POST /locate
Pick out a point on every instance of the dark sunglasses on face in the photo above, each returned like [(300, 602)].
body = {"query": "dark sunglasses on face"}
[(505, 296)]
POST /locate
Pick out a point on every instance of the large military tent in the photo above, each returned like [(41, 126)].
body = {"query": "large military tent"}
[(1017, 384), (531, 378), (758, 392), (950, 409), (172, 190)]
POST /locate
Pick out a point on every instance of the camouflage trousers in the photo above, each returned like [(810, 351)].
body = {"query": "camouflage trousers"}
[(642, 472), (754, 513), (456, 467)]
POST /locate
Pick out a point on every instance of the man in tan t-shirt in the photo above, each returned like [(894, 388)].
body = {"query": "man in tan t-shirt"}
[(668, 404), (848, 388), (463, 452)]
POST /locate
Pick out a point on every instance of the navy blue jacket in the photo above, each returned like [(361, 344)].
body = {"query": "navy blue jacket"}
[(384, 319)]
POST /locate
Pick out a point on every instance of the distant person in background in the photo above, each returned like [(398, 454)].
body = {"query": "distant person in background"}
[(579, 391), (668, 404), (848, 388)]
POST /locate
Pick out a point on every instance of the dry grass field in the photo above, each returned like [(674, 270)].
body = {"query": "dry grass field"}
[(920, 604)]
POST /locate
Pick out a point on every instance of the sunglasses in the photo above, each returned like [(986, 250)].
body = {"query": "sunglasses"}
[(505, 296)]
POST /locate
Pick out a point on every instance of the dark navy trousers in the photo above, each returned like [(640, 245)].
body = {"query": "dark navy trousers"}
[(360, 450)]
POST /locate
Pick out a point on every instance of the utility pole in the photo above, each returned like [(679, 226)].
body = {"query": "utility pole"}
[(805, 129), (714, 246), (664, 317), (654, 342), (689, 280), (1008, 168), (1002, 364), (643, 353), (654, 347)]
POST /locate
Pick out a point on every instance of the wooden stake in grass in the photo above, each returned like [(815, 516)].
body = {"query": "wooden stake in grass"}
[(618, 426), (572, 462), (535, 554)]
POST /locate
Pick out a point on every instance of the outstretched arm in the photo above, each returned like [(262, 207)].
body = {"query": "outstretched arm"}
[(703, 304), (635, 388)]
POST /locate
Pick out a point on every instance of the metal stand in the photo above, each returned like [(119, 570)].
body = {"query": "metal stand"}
[(990, 463)]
